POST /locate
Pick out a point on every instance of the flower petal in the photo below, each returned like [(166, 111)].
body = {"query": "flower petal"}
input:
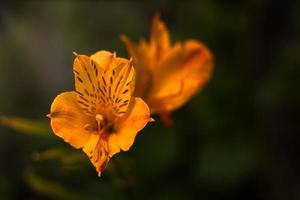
[(107, 60), (136, 119), (68, 120), (159, 37), (184, 71), (86, 75), (102, 58), (96, 150), (113, 145), (143, 62)]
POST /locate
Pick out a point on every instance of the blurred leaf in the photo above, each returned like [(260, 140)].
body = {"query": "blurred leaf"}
[(28, 126), (150, 160), (51, 188), (70, 159), (223, 164)]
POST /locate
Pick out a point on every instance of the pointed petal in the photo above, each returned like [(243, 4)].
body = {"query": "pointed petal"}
[(182, 74), (142, 59), (116, 83), (86, 73), (132, 48), (102, 58), (130, 124), (68, 120), (159, 37), (96, 150), (107, 60)]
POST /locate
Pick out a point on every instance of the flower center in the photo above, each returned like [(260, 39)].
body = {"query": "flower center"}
[(101, 125)]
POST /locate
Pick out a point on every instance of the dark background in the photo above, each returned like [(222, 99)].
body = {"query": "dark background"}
[(236, 139)]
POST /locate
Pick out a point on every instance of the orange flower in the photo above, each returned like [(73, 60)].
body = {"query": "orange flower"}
[(168, 76), (100, 116)]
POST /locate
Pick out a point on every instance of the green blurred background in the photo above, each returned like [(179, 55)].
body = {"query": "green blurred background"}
[(236, 139)]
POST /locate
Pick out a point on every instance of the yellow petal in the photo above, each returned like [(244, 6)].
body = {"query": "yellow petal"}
[(116, 83), (113, 145), (121, 81), (96, 150), (159, 37), (103, 82), (167, 77), (107, 60), (102, 58), (143, 62), (68, 120), (86, 74), (132, 48), (147, 56), (130, 124), (191, 68)]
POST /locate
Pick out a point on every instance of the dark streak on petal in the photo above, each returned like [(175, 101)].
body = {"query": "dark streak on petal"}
[(103, 100), (82, 103), (104, 89), (117, 85), (76, 72), (122, 105), (87, 93), (118, 101), (109, 91), (84, 99), (102, 92), (79, 93), (104, 81), (79, 79), (125, 91), (91, 81)]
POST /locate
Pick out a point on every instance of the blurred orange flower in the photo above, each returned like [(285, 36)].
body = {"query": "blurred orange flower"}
[(100, 116), (168, 76)]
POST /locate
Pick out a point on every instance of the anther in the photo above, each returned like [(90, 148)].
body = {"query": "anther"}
[(99, 118)]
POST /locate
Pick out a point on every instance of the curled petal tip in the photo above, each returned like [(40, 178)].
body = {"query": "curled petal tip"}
[(157, 15), (99, 174), (48, 115), (151, 119), (75, 54), (123, 37), (131, 60)]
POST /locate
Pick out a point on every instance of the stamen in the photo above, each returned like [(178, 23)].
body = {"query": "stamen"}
[(99, 118)]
